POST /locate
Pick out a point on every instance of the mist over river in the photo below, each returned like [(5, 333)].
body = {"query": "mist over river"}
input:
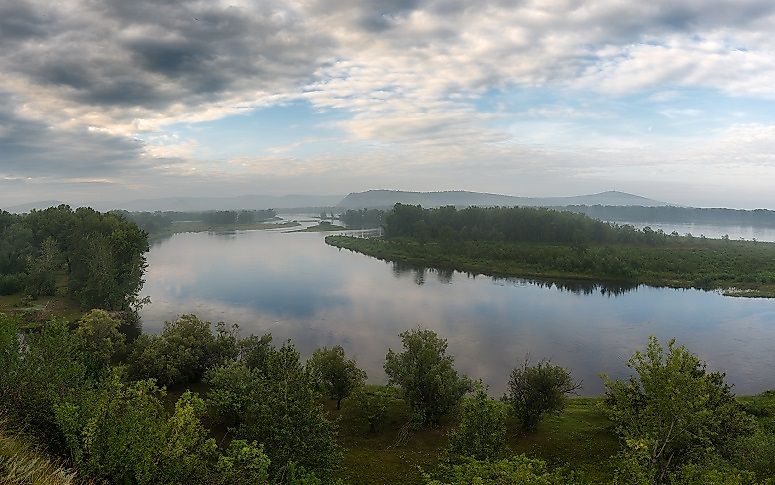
[(296, 287)]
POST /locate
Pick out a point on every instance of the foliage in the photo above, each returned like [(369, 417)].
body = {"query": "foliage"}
[(123, 434), (185, 350), (481, 433), (363, 219), (368, 406), (700, 263), (427, 375), (277, 406), (510, 224), (100, 336), (334, 373), (39, 371), (515, 470), (101, 255), (536, 390), (675, 412)]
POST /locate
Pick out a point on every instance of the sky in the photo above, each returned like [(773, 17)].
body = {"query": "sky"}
[(116, 100)]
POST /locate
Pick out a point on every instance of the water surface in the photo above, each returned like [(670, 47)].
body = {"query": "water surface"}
[(295, 286)]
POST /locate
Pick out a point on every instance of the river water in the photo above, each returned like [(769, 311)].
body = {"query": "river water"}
[(294, 286)]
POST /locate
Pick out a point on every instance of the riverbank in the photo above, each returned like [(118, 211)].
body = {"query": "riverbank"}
[(200, 226), (321, 227), (737, 268)]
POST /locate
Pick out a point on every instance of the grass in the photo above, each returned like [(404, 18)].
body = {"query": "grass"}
[(21, 463), (41, 309), (581, 436), (737, 268)]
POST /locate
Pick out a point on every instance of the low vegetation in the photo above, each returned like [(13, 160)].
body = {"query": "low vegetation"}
[(200, 404), (542, 243)]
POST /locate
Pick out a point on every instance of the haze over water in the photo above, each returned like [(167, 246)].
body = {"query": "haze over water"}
[(295, 286)]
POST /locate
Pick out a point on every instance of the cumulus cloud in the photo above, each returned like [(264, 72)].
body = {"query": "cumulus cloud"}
[(92, 86)]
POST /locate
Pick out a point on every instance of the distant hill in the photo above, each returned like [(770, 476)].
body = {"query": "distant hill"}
[(227, 203), (388, 198), (43, 204)]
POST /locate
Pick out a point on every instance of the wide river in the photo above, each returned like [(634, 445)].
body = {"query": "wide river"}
[(294, 286)]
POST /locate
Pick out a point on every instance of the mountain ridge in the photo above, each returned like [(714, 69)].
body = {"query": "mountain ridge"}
[(380, 198)]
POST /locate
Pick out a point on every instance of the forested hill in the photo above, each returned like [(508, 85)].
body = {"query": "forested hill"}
[(388, 198)]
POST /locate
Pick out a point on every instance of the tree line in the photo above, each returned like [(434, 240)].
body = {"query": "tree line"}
[(160, 221), (98, 401), (99, 258), (673, 214), (512, 224)]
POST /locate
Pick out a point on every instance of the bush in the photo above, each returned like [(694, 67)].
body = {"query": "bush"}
[(334, 373), (368, 406), (427, 375), (100, 337), (515, 470), (11, 283), (674, 412), (183, 352), (123, 434), (534, 391), (481, 433), (43, 369), (279, 407)]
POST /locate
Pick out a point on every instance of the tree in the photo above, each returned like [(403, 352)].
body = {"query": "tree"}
[(123, 434), (279, 407), (100, 337), (41, 272), (534, 391), (183, 352), (481, 433), (673, 413), (427, 375), (368, 406), (335, 373)]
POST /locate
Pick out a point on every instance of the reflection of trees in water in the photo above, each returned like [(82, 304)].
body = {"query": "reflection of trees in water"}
[(578, 287)]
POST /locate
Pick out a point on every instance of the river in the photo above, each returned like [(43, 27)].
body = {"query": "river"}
[(296, 287)]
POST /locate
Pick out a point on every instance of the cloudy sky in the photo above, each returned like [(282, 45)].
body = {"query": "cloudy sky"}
[(117, 99)]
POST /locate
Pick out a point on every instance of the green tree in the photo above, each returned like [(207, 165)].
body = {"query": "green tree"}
[(42, 270), (279, 407), (368, 406), (185, 350), (673, 413), (335, 373), (534, 391), (47, 369), (123, 434), (481, 433), (100, 336), (426, 375)]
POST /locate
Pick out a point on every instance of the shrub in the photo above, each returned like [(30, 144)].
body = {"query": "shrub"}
[(100, 337), (278, 407), (38, 371), (183, 352), (123, 434), (515, 470), (334, 373), (481, 433), (427, 375), (674, 412), (368, 406), (534, 391)]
